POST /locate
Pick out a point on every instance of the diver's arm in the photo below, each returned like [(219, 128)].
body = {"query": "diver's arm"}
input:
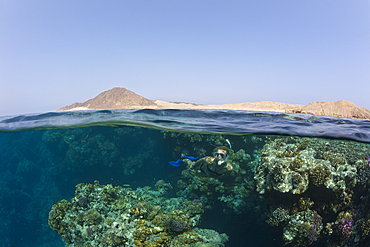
[(188, 162), (197, 164), (229, 167)]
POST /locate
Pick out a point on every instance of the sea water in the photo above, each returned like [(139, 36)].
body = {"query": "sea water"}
[(103, 178)]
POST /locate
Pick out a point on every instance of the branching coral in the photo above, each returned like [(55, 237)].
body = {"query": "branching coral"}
[(345, 227)]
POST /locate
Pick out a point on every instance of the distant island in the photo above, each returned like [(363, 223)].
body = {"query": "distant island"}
[(121, 98)]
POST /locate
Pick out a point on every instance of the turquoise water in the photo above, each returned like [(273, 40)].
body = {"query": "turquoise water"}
[(296, 180)]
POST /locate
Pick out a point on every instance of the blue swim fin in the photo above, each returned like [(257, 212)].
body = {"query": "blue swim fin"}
[(175, 163), (178, 162)]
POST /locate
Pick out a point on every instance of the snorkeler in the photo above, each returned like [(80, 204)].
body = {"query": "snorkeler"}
[(216, 166)]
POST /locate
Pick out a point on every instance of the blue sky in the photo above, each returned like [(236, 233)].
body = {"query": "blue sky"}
[(55, 53)]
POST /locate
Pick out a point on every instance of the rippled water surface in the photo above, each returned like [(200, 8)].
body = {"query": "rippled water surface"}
[(103, 178)]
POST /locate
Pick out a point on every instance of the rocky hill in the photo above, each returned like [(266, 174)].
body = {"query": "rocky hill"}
[(340, 108), (121, 98), (115, 98)]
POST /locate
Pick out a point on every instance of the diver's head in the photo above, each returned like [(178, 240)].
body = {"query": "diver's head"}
[(221, 154)]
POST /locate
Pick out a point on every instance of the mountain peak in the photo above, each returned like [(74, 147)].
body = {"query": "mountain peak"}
[(115, 98)]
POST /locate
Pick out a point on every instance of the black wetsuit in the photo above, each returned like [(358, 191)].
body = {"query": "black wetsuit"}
[(212, 169)]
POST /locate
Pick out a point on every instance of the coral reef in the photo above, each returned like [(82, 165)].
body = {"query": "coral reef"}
[(309, 183), (311, 192), (285, 168), (114, 216), (85, 148)]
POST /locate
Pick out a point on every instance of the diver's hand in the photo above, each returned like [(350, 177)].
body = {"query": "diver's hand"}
[(229, 167)]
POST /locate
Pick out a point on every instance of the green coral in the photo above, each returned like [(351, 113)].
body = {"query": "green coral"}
[(304, 204), (163, 187), (303, 143), (336, 159), (278, 216), (92, 217), (319, 174), (194, 207), (365, 227), (296, 164), (276, 174), (162, 220), (56, 216), (297, 229)]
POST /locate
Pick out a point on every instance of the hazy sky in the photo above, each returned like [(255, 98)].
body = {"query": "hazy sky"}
[(55, 53)]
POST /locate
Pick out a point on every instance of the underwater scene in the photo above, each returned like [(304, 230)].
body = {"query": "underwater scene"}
[(171, 178)]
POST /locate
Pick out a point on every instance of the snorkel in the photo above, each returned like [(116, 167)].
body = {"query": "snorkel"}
[(228, 142), (220, 162)]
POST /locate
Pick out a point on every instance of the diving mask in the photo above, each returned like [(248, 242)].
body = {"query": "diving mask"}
[(222, 157)]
